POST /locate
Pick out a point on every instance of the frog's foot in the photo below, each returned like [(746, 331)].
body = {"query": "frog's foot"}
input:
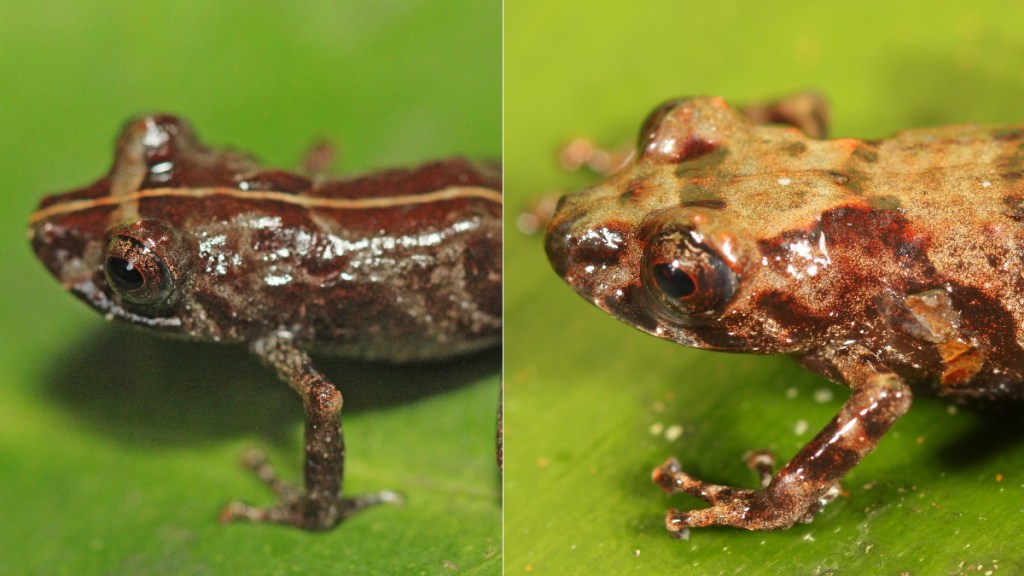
[(295, 507), (806, 111), (583, 153), (319, 159), (761, 509)]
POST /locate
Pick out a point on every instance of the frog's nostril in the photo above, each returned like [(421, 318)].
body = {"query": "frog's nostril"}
[(574, 249), (40, 236)]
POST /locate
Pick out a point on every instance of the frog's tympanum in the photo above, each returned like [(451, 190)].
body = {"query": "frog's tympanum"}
[(882, 265), (181, 239)]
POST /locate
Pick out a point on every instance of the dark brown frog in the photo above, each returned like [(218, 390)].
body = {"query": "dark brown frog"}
[(204, 244)]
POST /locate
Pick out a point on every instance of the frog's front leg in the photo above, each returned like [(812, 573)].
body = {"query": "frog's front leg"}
[(319, 506), (797, 491)]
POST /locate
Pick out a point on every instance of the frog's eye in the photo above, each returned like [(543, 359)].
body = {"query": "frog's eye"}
[(687, 276), (142, 263), (137, 273)]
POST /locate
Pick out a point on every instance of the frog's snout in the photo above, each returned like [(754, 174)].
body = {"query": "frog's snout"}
[(45, 242), (69, 253), (556, 244), (565, 230), (584, 253)]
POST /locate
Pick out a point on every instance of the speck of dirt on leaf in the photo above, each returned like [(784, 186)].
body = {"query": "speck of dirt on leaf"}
[(800, 428)]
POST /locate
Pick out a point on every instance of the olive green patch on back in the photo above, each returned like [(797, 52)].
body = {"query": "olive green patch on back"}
[(795, 199), (885, 203), (693, 194), (702, 163), (865, 153), (634, 190), (1014, 207), (712, 203), (795, 148)]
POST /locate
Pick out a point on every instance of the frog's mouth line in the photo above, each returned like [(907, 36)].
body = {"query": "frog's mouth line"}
[(87, 291)]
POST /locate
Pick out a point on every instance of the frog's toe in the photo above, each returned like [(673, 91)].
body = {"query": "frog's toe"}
[(296, 507), (673, 480), (732, 512), (350, 506), (303, 513), (747, 509), (763, 509), (762, 462), (236, 510)]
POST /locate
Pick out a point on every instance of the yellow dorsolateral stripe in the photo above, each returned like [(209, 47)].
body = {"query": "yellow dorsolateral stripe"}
[(452, 193)]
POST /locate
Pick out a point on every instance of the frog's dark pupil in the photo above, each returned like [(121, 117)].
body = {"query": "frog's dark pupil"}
[(123, 274), (674, 282)]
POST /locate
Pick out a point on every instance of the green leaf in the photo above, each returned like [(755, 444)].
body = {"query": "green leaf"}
[(117, 449), (593, 406)]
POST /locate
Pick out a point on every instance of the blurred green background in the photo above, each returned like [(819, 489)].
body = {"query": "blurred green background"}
[(117, 450), (590, 402)]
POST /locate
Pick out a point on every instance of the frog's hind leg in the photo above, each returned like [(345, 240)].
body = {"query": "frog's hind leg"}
[(808, 481), (806, 111), (318, 505), (319, 161), (673, 480)]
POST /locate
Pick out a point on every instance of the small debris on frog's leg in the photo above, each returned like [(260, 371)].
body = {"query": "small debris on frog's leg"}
[(319, 506), (672, 479), (811, 479), (806, 111)]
